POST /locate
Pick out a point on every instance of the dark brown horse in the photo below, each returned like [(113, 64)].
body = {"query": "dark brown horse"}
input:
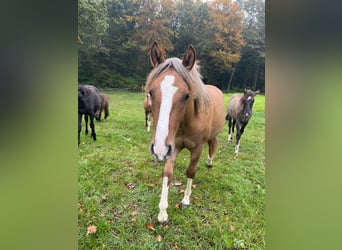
[(104, 106), (148, 110), (239, 112), (186, 114), (88, 104)]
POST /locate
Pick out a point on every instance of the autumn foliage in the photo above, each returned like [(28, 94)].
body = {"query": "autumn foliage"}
[(115, 36)]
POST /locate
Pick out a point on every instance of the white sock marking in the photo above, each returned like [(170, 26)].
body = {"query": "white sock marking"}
[(187, 193), (163, 204), (209, 161), (162, 130), (237, 148), (149, 121)]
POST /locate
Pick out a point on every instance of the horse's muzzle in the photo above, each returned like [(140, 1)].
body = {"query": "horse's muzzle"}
[(160, 156)]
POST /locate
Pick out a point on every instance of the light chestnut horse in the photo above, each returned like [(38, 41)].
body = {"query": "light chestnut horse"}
[(239, 112), (186, 114), (104, 106), (148, 110)]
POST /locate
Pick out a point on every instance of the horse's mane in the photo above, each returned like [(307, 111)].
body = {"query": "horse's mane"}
[(192, 78)]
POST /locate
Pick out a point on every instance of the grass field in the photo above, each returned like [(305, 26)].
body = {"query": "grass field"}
[(119, 187)]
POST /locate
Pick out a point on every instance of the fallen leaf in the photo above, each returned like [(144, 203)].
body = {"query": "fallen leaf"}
[(174, 246), (91, 229), (177, 205), (177, 183), (135, 212), (151, 185), (194, 185), (159, 238), (166, 227), (150, 226), (80, 208), (134, 219), (231, 228), (181, 191), (131, 186)]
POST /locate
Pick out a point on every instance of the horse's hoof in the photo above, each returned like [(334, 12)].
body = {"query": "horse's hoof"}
[(182, 206), (163, 223)]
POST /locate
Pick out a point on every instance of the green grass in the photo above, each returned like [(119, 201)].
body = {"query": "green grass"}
[(119, 187)]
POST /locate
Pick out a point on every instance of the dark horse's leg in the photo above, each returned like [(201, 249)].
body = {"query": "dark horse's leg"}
[(229, 118), (86, 123), (240, 127), (106, 111), (79, 126), (92, 126)]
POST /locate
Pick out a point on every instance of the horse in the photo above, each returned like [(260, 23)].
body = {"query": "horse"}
[(238, 113), (148, 115), (186, 114), (88, 104), (104, 106)]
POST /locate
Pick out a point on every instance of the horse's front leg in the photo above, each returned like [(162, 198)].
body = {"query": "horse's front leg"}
[(190, 174), (79, 126), (167, 175), (149, 122), (229, 128)]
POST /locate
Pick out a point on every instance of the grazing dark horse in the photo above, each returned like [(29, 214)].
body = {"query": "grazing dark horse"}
[(148, 110), (104, 106), (186, 114), (239, 113), (88, 104)]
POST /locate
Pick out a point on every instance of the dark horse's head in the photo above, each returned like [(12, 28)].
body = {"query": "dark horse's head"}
[(247, 101)]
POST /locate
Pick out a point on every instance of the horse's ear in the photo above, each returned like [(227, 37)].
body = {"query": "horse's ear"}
[(156, 55), (189, 57), (256, 92), (245, 91)]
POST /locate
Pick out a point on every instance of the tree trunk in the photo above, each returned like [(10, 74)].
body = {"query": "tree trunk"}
[(255, 77), (231, 78)]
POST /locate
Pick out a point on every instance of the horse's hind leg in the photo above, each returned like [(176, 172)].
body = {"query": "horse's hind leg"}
[(213, 146), (86, 123), (190, 174), (92, 126), (106, 111)]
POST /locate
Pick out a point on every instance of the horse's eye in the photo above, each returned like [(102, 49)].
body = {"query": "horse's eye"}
[(150, 93), (186, 97)]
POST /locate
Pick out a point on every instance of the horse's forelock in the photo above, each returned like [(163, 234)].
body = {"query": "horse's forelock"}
[(192, 78)]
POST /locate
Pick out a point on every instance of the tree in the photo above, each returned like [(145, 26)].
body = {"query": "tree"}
[(226, 27), (250, 72), (154, 23)]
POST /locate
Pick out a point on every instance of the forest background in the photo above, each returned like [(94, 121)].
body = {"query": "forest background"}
[(114, 37)]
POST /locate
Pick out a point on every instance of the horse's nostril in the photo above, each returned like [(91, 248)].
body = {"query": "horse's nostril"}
[(151, 149), (169, 152)]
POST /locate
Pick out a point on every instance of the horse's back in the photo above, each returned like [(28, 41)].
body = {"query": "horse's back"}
[(217, 110), (234, 106)]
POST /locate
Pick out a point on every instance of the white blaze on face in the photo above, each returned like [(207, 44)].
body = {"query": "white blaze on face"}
[(162, 130)]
